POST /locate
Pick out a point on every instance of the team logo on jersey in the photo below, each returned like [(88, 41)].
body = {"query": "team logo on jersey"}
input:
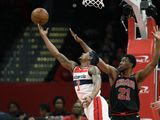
[(79, 76), (142, 59), (144, 89), (125, 82)]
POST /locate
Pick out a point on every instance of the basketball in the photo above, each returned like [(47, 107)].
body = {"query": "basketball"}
[(39, 16)]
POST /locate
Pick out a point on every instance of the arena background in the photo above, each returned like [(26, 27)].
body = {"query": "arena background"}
[(29, 74)]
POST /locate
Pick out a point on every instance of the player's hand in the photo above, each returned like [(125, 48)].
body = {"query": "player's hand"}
[(155, 105), (156, 33), (75, 36), (42, 31), (86, 101)]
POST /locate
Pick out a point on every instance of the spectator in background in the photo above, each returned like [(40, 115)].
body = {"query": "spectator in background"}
[(15, 112), (14, 109), (5, 116), (77, 112), (45, 110), (31, 118), (59, 107)]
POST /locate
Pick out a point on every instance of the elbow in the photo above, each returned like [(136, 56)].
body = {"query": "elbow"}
[(99, 86)]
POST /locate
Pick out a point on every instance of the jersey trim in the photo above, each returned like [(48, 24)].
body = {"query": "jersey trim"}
[(124, 113), (82, 82)]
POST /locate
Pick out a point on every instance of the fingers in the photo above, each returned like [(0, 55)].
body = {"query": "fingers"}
[(85, 98), (155, 29), (155, 105), (39, 27), (70, 30), (72, 33), (152, 105), (85, 103), (47, 29), (154, 34)]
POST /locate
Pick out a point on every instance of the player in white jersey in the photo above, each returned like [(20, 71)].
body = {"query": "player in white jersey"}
[(86, 78)]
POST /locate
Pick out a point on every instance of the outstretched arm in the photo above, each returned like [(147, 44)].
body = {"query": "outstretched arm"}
[(111, 71), (142, 74), (68, 64), (96, 78), (85, 47)]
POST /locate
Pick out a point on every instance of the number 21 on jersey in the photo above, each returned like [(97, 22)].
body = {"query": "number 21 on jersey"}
[(124, 94)]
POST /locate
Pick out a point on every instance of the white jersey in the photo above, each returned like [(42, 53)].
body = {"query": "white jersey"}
[(98, 108), (82, 82)]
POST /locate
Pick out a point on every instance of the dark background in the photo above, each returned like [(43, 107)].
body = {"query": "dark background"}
[(101, 29)]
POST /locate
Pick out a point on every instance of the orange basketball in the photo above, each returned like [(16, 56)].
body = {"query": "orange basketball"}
[(39, 16)]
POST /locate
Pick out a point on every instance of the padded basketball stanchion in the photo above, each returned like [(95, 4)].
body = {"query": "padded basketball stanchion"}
[(142, 49)]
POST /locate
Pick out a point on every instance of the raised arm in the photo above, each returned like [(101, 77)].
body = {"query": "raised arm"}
[(96, 78), (110, 70), (68, 64), (85, 47), (142, 74)]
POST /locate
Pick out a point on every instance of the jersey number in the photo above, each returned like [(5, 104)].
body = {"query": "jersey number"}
[(124, 94), (78, 84)]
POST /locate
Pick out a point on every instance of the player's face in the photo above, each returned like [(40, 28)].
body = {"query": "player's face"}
[(124, 64), (85, 57)]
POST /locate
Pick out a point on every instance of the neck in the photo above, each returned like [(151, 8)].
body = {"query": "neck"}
[(127, 73), (85, 64), (77, 117)]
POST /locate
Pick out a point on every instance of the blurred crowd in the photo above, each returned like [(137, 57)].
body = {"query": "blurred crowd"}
[(15, 111)]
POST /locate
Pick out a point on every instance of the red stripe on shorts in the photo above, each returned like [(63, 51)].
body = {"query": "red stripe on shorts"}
[(100, 108), (97, 108)]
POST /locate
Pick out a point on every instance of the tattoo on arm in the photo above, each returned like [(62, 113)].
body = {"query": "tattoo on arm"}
[(65, 62), (96, 78)]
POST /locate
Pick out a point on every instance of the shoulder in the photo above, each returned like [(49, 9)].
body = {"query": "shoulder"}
[(94, 70), (74, 65)]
